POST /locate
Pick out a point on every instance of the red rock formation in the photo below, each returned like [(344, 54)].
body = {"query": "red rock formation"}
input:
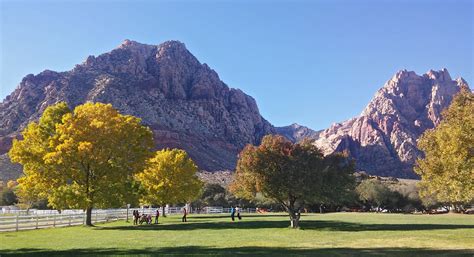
[(383, 138), (182, 100)]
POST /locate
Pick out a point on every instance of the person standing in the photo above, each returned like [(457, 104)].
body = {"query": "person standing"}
[(232, 213), (184, 215), (238, 212), (137, 217), (157, 215)]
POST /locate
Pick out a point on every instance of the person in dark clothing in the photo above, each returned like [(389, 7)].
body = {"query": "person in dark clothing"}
[(232, 213), (157, 215), (135, 217), (184, 215), (142, 219)]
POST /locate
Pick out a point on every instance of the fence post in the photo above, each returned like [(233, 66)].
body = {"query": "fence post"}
[(36, 220), (17, 216), (95, 215), (128, 207), (54, 220), (70, 219), (83, 218)]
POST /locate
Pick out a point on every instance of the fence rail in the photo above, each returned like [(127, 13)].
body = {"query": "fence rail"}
[(36, 221), (22, 220)]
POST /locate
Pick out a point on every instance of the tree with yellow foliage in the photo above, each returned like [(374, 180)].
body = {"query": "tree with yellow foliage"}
[(82, 159), (30, 152), (169, 178), (447, 167)]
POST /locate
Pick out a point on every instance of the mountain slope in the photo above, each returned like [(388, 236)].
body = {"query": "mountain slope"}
[(183, 101), (383, 138), (296, 133)]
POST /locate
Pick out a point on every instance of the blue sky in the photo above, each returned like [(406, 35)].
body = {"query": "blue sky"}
[(310, 62)]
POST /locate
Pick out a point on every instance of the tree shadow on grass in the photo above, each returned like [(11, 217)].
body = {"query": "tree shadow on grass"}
[(252, 251), (227, 216), (305, 225)]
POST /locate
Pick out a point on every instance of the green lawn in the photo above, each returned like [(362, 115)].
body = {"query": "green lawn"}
[(338, 234)]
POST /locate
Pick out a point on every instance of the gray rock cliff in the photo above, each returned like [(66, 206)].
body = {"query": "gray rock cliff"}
[(183, 101)]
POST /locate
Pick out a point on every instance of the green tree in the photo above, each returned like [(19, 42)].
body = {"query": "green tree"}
[(288, 173), (373, 193), (169, 178), (447, 167), (213, 195), (82, 159), (338, 181), (7, 194)]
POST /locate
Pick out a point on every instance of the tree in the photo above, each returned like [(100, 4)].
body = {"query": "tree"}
[(447, 167), (338, 181), (213, 195), (288, 173), (82, 159), (7, 194), (373, 193), (169, 178), (31, 150)]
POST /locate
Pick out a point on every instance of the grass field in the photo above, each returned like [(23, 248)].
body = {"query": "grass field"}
[(337, 234)]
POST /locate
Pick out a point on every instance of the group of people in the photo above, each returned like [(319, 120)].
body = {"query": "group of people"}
[(147, 218), (144, 218), (233, 211)]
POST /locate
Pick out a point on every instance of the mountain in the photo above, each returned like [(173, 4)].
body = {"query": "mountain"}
[(183, 101), (383, 138), (187, 106), (295, 132)]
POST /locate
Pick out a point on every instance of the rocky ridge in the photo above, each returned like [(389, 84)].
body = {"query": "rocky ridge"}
[(296, 132), (183, 101), (383, 138)]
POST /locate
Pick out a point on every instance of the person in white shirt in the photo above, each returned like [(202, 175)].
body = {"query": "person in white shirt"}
[(237, 209)]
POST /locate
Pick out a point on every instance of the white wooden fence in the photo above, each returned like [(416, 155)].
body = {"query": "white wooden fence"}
[(36, 221), (22, 220), (215, 209)]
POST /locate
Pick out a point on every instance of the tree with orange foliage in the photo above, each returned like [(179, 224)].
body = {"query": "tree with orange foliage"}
[(291, 174)]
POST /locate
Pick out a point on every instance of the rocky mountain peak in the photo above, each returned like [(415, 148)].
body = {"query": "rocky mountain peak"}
[(296, 132), (183, 101), (136, 48), (442, 75), (462, 83), (403, 74), (173, 46), (383, 138), (296, 125), (127, 43)]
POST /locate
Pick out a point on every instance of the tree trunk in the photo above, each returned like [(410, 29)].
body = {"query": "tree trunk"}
[(89, 198), (294, 219), (294, 216), (295, 223), (164, 213), (89, 216), (321, 208)]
